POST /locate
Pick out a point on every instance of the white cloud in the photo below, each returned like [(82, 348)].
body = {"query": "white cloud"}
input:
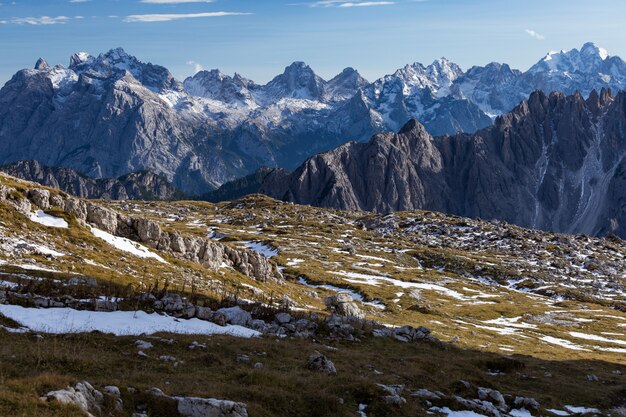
[(79, 1), (347, 3), (35, 21), (367, 3), (196, 67), (535, 35), (149, 18), (175, 1)]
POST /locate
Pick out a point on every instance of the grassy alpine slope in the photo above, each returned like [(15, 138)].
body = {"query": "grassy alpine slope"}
[(525, 312)]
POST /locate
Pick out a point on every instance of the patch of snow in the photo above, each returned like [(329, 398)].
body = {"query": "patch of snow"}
[(120, 323), (31, 267), (450, 413), (562, 342), (614, 350), (581, 410), (520, 412), (261, 248), (597, 338), (126, 245), (355, 295), (357, 278), (558, 412), (47, 220), (511, 322)]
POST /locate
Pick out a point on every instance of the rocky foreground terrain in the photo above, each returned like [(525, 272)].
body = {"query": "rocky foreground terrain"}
[(259, 307)]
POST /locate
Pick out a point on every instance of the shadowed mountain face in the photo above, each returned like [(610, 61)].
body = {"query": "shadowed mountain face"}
[(555, 162), (142, 185)]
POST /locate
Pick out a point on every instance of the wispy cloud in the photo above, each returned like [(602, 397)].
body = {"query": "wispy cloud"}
[(175, 1), (196, 67), (347, 3), (150, 18), (35, 21), (535, 35)]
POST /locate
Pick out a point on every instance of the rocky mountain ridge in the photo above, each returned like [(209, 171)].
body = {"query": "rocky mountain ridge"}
[(143, 185), (110, 115), (555, 162)]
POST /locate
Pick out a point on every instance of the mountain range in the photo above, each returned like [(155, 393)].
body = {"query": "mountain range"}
[(110, 115), (555, 162)]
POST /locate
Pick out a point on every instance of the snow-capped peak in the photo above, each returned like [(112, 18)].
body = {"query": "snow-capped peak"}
[(79, 58), (586, 59), (297, 81), (590, 49)]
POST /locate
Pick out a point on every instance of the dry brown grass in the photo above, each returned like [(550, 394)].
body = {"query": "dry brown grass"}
[(283, 387)]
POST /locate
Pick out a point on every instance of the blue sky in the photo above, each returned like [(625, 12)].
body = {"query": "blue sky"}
[(258, 38)]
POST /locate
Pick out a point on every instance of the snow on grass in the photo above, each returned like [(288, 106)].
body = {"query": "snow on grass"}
[(511, 322), (614, 350), (500, 330), (261, 248), (294, 261), (562, 342), (31, 267), (520, 412), (581, 410), (355, 295), (120, 323), (47, 220), (374, 258), (126, 245), (450, 413), (597, 338), (357, 278), (44, 250), (558, 412), (9, 245)]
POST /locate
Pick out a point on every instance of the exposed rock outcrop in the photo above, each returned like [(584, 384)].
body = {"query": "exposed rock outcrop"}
[(209, 407), (207, 252), (320, 363)]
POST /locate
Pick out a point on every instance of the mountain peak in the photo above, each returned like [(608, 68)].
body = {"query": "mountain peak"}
[(297, 81), (41, 64), (298, 67), (590, 49), (117, 54), (412, 126), (79, 58)]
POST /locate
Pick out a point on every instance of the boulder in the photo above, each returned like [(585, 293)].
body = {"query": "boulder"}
[(527, 403), (320, 363), (410, 334), (84, 281), (114, 392), (204, 313), (83, 396), (172, 302), (493, 396), (39, 197), (209, 407), (344, 305), (236, 315), (283, 318), (102, 218)]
